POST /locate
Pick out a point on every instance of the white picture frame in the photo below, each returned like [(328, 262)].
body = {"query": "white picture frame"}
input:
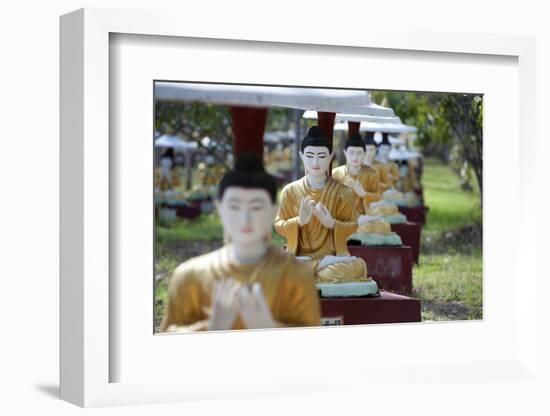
[(86, 265)]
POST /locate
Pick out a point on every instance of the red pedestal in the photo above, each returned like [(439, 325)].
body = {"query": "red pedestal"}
[(410, 236), (414, 214), (386, 309), (391, 267), (183, 211)]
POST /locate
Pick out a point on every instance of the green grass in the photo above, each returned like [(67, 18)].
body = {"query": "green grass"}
[(449, 278), (205, 227), (450, 206)]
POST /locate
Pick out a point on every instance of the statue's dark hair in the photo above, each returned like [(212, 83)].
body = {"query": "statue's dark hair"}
[(369, 139), (385, 140), (249, 172), (316, 137), (355, 141), (168, 153)]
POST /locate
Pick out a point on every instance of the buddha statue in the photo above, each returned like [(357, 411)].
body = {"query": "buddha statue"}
[(388, 172), (248, 283), (317, 214), (406, 184), (167, 177), (364, 182), (210, 175), (379, 207)]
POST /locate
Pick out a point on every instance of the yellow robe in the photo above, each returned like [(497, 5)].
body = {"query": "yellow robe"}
[(388, 174), (314, 239), (368, 178), (287, 284), (163, 183)]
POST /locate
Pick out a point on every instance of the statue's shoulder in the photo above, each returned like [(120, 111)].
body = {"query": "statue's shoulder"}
[(293, 186), (341, 189), (339, 171), (196, 268), (368, 171)]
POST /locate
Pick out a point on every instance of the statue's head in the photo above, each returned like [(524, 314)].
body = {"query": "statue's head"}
[(370, 148), (354, 150), (246, 201), (167, 159), (316, 152), (384, 148), (403, 168)]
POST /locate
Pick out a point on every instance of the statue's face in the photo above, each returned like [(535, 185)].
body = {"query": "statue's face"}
[(403, 170), (316, 160), (247, 214), (370, 153), (354, 156), (384, 151), (166, 162)]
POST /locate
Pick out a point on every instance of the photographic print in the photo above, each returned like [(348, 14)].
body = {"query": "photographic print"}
[(300, 207)]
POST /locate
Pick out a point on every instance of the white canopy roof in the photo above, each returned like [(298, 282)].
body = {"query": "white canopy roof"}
[(170, 140), (402, 153), (318, 99), (377, 127), (396, 140), (344, 117), (397, 127)]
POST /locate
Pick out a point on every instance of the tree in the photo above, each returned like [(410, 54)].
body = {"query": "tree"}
[(195, 120), (449, 126)]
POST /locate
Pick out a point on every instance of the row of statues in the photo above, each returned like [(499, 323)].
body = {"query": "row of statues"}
[(248, 283)]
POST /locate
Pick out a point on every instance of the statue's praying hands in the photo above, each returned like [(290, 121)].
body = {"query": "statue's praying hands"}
[(306, 210), (356, 186), (323, 215), (230, 297), (224, 304), (253, 308)]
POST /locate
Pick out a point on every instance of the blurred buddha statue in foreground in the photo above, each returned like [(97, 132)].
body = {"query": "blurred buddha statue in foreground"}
[(317, 214), (247, 283), (167, 175), (379, 207), (364, 182)]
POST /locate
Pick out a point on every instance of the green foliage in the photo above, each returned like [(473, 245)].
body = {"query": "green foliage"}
[(195, 120), (449, 127)]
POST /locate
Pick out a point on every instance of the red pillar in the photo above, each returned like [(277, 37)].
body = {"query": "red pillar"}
[(248, 124), (325, 120), (353, 128)]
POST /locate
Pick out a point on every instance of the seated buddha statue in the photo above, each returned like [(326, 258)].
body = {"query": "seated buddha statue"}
[(167, 176), (379, 207), (364, 182), (248, 283), (388, 172), (317, 214), (406, 184)]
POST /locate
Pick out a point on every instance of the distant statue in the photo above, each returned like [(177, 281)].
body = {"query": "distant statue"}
[(167, 176), (364, 181), (388, 210)]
